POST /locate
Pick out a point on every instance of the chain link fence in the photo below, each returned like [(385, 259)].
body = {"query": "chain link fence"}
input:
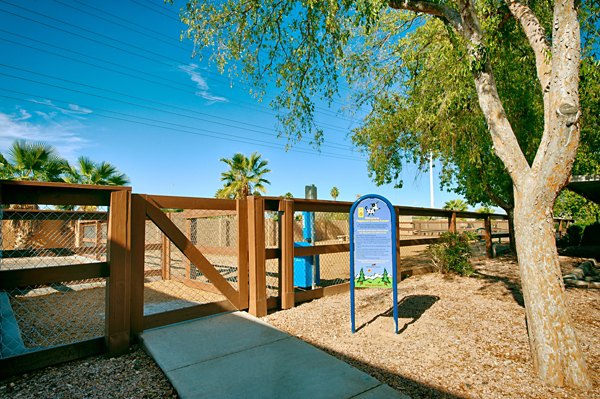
[(173, 282), (47, 315), (272, 241)]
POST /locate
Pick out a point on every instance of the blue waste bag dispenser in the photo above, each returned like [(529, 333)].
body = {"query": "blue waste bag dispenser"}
[(303, 268)]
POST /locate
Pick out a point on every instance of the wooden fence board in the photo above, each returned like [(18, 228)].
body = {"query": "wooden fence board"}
[(56, 274), (36, 360), (192, 312), (162, 201), (118, 289)]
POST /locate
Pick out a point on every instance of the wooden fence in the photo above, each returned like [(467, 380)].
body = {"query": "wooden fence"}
[(259, 239)]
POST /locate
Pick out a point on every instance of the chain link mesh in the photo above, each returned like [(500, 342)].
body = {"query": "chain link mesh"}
[(171, 280), (47, 315), (272, 240)]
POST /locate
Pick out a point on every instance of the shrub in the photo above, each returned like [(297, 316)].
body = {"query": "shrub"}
[(451, 254), (574, 233), (591, 234)]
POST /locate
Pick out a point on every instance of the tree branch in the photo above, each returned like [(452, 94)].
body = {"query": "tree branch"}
[(537, 40), (428, 7)]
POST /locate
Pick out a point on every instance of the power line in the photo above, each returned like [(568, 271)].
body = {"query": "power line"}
[(155, 34), (177, 61), (159, 36), (181, 128), (152, 7), (156, 81), (268, 133)]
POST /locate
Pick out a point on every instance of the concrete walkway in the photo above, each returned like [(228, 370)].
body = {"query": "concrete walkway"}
[(236, 355)]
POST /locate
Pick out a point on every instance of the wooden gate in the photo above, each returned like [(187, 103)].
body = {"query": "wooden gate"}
[(149, 208)]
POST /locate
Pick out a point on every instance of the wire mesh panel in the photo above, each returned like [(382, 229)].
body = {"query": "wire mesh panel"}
[(316, 229), (272, 240), (40, 237), (413, 228), (43, 316), (171, 280)]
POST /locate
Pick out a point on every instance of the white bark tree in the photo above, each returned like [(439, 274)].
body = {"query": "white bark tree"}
[(557, 356)]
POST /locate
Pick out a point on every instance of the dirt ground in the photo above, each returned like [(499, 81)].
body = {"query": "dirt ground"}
[(459, 337)]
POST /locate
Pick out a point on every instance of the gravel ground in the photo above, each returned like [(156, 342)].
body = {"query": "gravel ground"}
[(134, 375), (459, 337)]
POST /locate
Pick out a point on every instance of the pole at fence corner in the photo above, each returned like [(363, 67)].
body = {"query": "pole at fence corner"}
[(117, 334), (257, 262)]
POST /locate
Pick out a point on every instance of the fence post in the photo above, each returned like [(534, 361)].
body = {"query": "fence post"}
[(398, 271), (242, 240), (487, 234), (452, 223), (257, 262), (138, 249), (286, 289), (118, 285)]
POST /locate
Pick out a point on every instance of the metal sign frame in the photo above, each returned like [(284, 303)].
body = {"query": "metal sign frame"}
[(392, 225)]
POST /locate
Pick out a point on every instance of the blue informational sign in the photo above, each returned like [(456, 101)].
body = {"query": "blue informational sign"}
[(373, 248)]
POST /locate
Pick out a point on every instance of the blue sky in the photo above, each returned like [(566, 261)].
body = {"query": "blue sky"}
[(112, 81)]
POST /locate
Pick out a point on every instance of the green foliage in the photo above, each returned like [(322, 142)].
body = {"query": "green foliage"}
[(572, 205), (288, 195), (451, 254), (33, 161), (41, 162), (485, 209), (245, 176), (87, 171), (411, 71), (456, 205), (335, 192)]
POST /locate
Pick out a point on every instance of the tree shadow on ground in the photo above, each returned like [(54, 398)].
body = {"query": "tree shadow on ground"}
[(511, 285), (408, 386), (409, 307)]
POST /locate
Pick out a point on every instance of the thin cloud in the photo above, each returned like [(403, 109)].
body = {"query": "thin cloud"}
[(73, 110), (23, 115), (203, 89), (79, 110), (62, 136)]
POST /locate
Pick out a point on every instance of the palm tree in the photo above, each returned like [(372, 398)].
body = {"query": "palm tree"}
[(334, 193), (288, 195), (6, 169), (456, 205), (33, 161), (87, 171), (245, 176)]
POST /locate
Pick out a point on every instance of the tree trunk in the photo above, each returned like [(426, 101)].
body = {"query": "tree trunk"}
[(555, 349)]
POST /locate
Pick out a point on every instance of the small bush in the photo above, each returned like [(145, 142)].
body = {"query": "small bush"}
[(591, 234), (451, 254), (574, 233)]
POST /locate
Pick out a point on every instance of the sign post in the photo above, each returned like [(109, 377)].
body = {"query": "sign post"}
[(373, 248)]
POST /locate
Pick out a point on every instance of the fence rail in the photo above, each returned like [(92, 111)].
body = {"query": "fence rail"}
[(128, 262)]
